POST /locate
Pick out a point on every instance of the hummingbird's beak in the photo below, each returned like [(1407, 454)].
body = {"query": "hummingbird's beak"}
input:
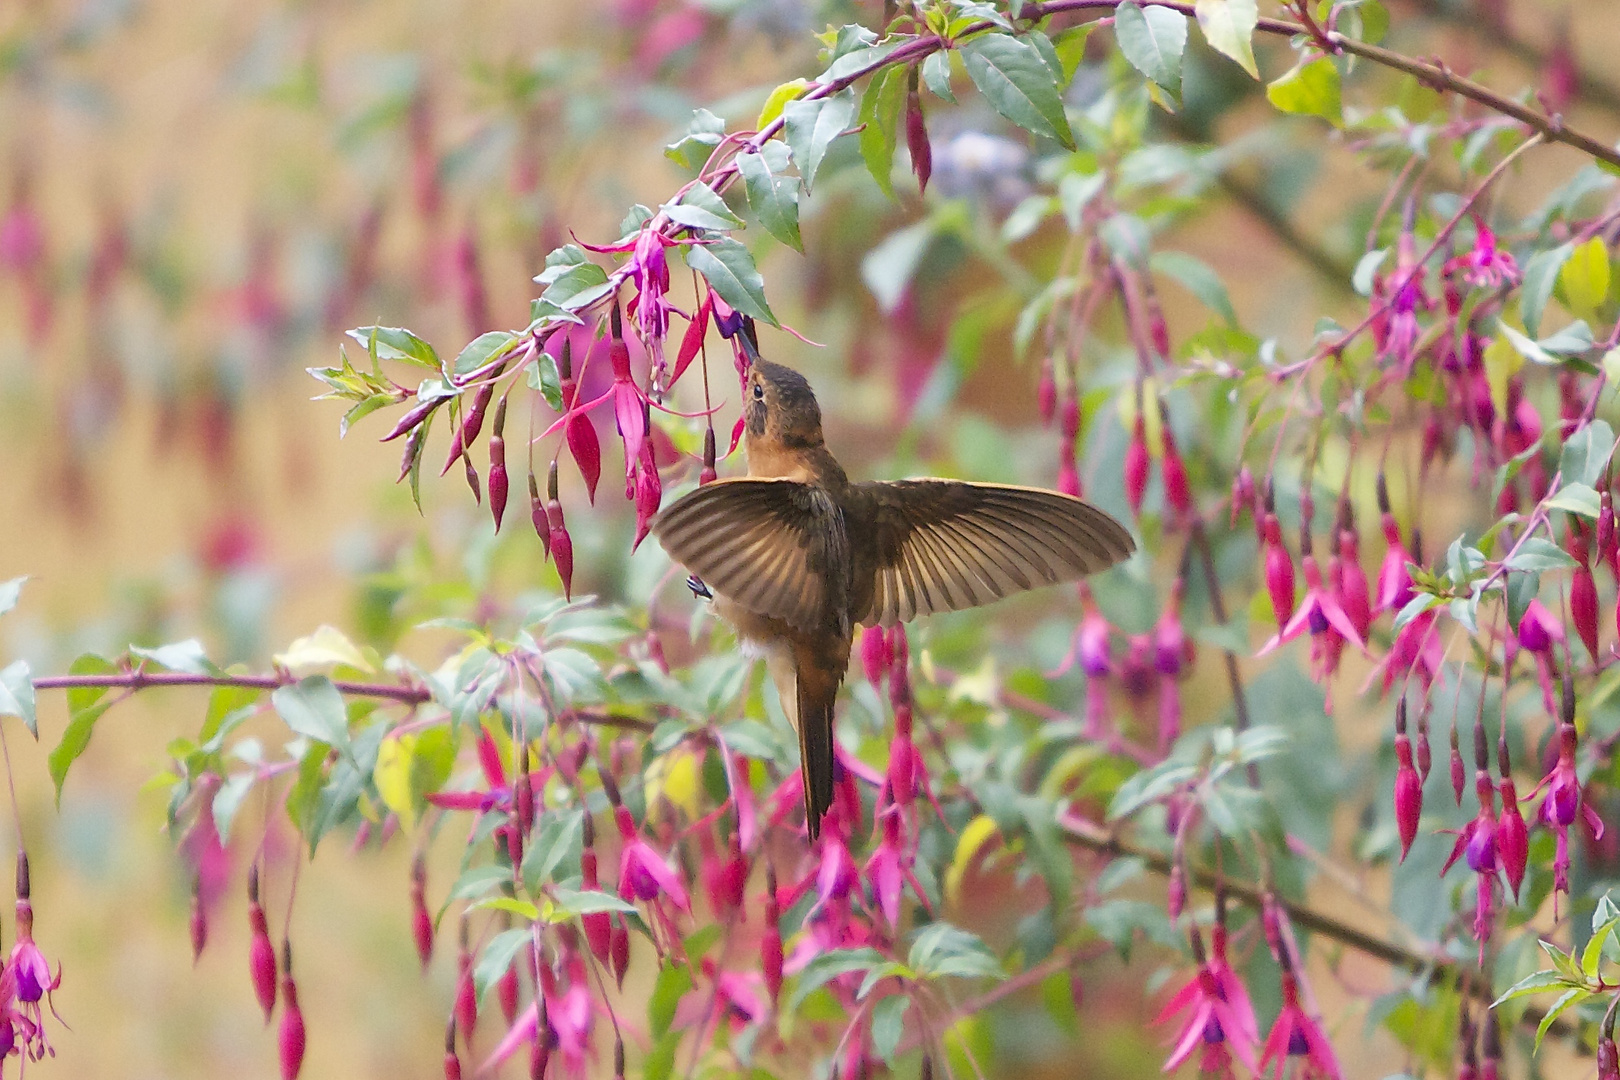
[(750, 341)]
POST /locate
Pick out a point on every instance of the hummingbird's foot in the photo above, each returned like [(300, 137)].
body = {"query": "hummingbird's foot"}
[(699, 590)]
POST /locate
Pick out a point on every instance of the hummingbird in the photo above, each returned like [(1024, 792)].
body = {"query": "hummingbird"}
[(795, 555)]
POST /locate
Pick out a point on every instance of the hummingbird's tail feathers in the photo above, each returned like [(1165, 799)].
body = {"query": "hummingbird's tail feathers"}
[(816, 693)]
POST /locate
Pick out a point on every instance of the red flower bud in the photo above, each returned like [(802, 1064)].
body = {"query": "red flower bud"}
[(770, 959), (1136, 466), (537, 515), (1583, 598), (922, 155), (1046, 392), (1174, 473), (876, 659), (562, 545), (261, 953), (466, 1008), (1512, 837), (498, 483), (1176, 893), (1458, 774), (598, 928), (1279, 570), (199, 923), (619, 951), (1069, 476), (1608, 537), (452, 1064), (1608, 1059), (290, 1039), (472, 480), (421, 921), (1408, 785), (507, 988)]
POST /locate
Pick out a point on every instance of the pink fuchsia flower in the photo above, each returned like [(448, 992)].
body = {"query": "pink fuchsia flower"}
[(1583, 598), (739, 995), (1485, 265), (1539, 631), (1216, 1025), (261, 953), (643, 873), (1512, 836), (1351, 584), (1478, 840), (1279, 568), (290, 1039), (1394, 579), (1296, 1036), (1563, 806), (1317, 613)]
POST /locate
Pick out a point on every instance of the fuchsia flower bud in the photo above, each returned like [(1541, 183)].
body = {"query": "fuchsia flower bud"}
[(1069, 466), (1394, 580), (561, 545), (619, 951), (1173, 471), (1354, 593), (707, 474), (876, 656), (452, 1063), (1608, 1058), (1583, 598), (1512, 837), (579, 431), (290, 1039), (1459, 778), (498, 481), (649, 493), (1136, 465), (922, 155), (1243, 497), (261, 953), (598, 932), (1408, 785), (770, 941), (1046, 392), (507, 990), (421, 921), (199, 923), (1279, 570), (1608, 537)]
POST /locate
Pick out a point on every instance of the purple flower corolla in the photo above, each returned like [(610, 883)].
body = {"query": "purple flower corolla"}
[(643, 873), (1563, 806), (1485, 265), (1219, 1021)]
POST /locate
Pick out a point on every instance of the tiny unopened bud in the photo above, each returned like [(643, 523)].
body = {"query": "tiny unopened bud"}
[(261, 960), (1583, 599), (1459, 773), (619, 951), (452, 1063), (1136, 465), (1608, 1059), (421, 921), (499, 484), (199, 922), (562, 544)]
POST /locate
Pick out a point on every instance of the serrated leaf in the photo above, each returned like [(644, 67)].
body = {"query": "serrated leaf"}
[(1310, 88), (1228, 26), (1570, 999), (772, 195), (700, 208), (730, 271), (1537, 982), (1018, 85), (879, 120), (811, 126), (1153, 39)]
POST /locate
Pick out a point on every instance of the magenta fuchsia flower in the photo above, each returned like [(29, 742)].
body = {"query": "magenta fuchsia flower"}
[(643, 873), (1136, 465), (1279, 569), (1220, 1023), (1408, 784), (1485, 265), (1351, 580), (1318, 613), (1563, 806), (290, 1038), (876, 656), (1295, 1036), (1478, 840), (1539, 631), (739, 997), (1583, 598)]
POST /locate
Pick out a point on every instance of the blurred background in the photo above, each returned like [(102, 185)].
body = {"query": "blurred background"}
[(195, 202)]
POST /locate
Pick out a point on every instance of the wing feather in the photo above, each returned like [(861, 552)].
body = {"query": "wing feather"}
[(946, 545)]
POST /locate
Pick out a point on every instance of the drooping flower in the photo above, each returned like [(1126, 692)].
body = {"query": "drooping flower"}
[(1214, 1022), (1478, 840), (1485, 265), (643, 873), (1296, 1036), (1563, 806)]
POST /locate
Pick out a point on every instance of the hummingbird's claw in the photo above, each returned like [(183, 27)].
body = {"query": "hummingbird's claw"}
[(699, 590)]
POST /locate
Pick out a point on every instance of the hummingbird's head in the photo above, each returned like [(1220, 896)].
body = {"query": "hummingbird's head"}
[(781, 407)]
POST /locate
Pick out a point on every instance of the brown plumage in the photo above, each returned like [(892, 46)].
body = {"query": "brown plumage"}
[(797, 556)]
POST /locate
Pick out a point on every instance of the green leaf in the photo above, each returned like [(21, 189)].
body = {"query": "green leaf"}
[(1228, 26), (1537, 982), (314, 708), (556, 843), (1537, 555), (577, 287), (888, 1024), (395, 343), (811, 127), (887, 269), (880, 124), (703, 134), (1071, 48), (701, 208), (1310, 88), (1018, 84), (773, 196), (673, 983), (187, 656), (1585, 277), (730, 269), (544, 378), (1586, 454), (1570, 999), (567, 903), (1576, 499), (1540, 274), (1153, 40), (9, 592), (1521, 589), (228, 800), (85, 706), (936, 73), (828, 966), (1592, 955), (1198, 279), (498, 956), (941, 949), (17, 694), (482, 349)]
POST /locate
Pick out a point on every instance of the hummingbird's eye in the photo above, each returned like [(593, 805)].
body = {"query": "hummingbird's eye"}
[(759, 392)]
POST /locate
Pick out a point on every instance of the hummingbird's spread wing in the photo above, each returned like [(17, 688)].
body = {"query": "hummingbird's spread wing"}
[(777, 547), (945, 545)]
